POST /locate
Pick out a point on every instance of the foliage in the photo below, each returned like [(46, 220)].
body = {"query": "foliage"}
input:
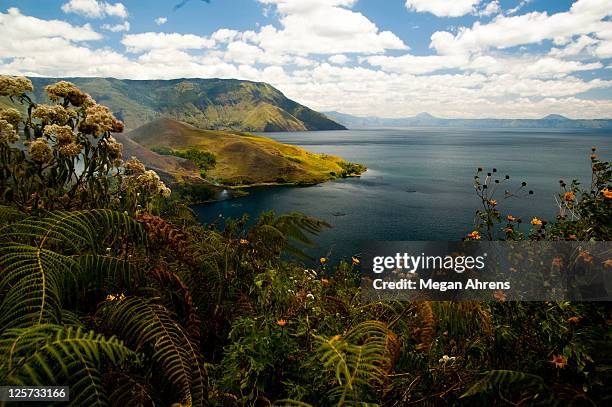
[(63, 156), (203, 159), (121, 294), (351, 169)]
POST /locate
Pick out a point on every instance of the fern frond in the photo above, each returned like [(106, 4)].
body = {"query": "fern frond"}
[(8, 215), (358, 360), (150, 327), (495, 380), (49, 354), (102, 274), (32, 281), (77, 230), (131, 391)]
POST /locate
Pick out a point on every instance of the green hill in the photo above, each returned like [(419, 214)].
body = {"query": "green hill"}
[(242, 159), (219, 104)]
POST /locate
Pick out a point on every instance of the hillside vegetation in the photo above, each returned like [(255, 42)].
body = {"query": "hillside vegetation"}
[(241, 159), (204, 103)]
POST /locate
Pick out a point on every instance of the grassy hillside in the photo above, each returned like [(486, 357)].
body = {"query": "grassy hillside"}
[(242, 159), (218, 104)]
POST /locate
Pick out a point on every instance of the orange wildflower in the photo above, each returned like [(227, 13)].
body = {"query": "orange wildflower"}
[(324, 281), (573, 320), (322, 260), (500, 295), (607, 193), (244, 241), (559, 361), (608, 263), (569, 196), (536, 221), (355, 260), (281, 322), (511, 218), (508, 230), (474, 235), (492, 202)]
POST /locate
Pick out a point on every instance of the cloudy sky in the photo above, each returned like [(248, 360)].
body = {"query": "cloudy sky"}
[(390, 58)]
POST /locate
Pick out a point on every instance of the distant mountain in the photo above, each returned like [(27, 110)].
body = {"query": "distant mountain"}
[(552, 121), (219, 104)]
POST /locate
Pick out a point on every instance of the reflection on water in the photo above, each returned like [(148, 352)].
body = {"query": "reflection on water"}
[(419, 182)]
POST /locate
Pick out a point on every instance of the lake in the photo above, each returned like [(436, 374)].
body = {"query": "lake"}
[(419, 181)]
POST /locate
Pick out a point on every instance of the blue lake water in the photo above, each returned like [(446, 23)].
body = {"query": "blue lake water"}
[(419, 185)]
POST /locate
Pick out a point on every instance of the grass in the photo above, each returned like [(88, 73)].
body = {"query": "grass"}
[(242, 159)]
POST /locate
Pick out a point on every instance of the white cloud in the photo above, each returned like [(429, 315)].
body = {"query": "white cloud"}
[(518, 7), (161, 20), (491, 8), (338, 59), (156, 40), (224, 35), (95, 8), (322, 27), (411, 64), (125, 26), (346, 67), (575, 47), (443, 8), (15, 29), (584, 17)]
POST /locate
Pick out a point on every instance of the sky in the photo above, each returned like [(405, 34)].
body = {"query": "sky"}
[(386, 58)]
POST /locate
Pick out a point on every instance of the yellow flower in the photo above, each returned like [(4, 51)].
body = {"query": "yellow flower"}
[(335, 338), (7, 132), (536, 221), (559, 361), (14, 85), (110, 297), (474, 235), (509, 230), (355, 260), (40, 151), (244, 241), (568, 196), (573, 320), (134, 166), (68, 91), (492, 202), (608, 263), (281, 322), (607, 193), (12, 116), (322, 260), (511, 218)]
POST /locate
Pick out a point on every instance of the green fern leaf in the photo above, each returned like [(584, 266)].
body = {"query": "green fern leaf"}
[(150, 327)]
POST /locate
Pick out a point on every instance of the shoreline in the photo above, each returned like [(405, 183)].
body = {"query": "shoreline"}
[(242, 190)]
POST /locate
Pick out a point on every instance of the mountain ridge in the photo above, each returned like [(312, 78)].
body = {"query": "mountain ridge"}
[(552, 121), (216, 104)]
